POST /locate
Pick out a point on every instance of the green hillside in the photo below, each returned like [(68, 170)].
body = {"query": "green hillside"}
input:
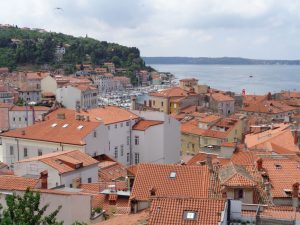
[(23, 47)]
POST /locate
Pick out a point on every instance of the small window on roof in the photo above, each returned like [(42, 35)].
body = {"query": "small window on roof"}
[(65, 125), (173, 174), (79, 127), (189, 215), (278, 166), (288, 192), (54, 125)]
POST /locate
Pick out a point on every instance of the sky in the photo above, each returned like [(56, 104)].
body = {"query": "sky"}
[(260, 29)]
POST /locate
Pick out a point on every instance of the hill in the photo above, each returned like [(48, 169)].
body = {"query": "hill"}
[(222, 60), (23, 46)]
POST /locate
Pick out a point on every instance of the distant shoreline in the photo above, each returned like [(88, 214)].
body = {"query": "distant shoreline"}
[(216, 61)]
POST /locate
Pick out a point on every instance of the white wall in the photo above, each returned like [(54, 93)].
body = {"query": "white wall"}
[(17, 119), (160, 143), (32, 148), (117, 135), (48, 84), (75, 207), (68, 96)]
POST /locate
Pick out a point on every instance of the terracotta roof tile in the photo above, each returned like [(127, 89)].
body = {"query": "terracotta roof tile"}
[(52, 129), (268, 107), (11, 182), (143, 125), (64, 161), (171, 92), (109, 114), (283, 173), (170, 211), (220, 97), (188, 181)]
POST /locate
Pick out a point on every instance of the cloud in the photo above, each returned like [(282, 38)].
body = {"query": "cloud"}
[(248, 28)]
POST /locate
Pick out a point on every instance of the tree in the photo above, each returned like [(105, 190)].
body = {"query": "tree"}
[(25, 210)]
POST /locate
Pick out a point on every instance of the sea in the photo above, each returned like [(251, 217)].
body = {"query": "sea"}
[(255, 79)]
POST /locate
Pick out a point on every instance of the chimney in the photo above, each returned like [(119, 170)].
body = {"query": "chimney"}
[(295, 194), (259, 164), (209, 163), (133, 103), (44, 179), (61, 116), (152, 192)]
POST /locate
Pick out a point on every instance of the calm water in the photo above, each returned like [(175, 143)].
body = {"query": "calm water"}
[(273, 78)]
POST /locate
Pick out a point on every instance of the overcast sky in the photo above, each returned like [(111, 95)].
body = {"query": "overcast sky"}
[(268, 29)]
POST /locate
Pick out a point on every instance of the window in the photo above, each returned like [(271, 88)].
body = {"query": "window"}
[(25, 119), (109, 146), (116, 152), (162, 104), (127, 123), (136, 140), (136, 158), (153, 102), (20, 119), (116, 125), (238, 193), (11, 150), (95, 134), (121, 124), (14, 119), (108, 127), (25, 152), (89, 180), (40, 152), (71, 185), (173, 174), (122, 150), (189, 215), (128, 140), (128, 157)]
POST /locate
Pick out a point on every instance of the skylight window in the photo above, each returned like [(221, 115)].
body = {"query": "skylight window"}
[(79, 127), (65, 125), (173, 175), (54, 125), (189, 215), (278, 166)]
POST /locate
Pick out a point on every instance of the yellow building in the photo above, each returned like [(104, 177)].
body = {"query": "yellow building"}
[(209, 130)]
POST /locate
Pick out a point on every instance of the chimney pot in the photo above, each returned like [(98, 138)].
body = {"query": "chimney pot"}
[(259, 164), (209, 163)]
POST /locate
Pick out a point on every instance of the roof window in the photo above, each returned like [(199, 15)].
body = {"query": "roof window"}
[(54, 125), (277, 166), (173, 175), (65, 125), (189, 215), (79, 127)]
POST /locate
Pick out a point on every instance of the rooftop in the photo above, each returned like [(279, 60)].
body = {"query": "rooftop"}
[(64, 161), (170, 211), (11, 182), (143, 125), (174, 181), (68, 130)]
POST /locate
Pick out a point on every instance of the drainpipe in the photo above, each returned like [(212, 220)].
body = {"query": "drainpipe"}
[(228, 211), (130, 141), (18, 149)]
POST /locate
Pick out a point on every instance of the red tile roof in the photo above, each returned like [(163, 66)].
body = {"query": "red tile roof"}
[(220, 97), (110, 171), (52, 130), (143, 125), (190, 181), (170, 211), (170, 92), (283, 173), (64, 161), (268, 107), (11, 182), (109, 114)]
